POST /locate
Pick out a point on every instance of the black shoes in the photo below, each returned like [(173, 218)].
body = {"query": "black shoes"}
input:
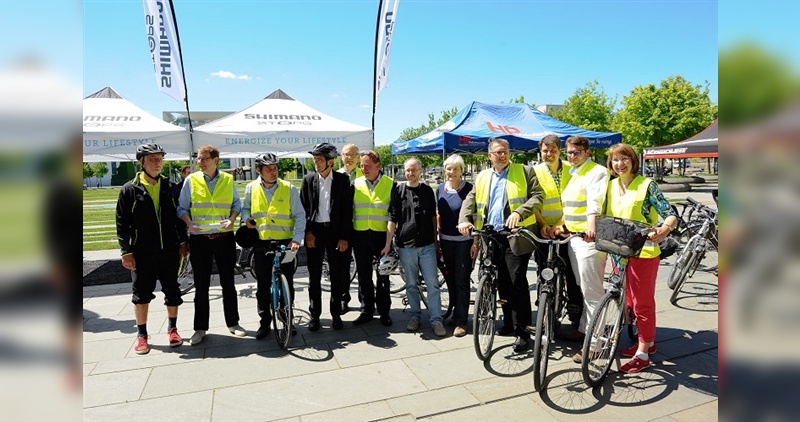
[(345, 308), (386, 320), (337, 324), (263, 332), (521, 344), (313, 325), (363, 319), (506, 330)]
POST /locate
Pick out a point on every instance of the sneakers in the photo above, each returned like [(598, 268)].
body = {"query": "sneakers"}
[(438, 329), (237, 330), (631, 351), (175, 339), (460, 331), (141, 348), (197, 337), (413, 324), (634, 365), (521, 344)]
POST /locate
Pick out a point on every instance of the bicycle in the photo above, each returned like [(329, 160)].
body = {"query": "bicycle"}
[(551, 302), (688, 221), (185, 275), (605, 326), (282, 296), (486, 301), (694, 252), (444, 293)]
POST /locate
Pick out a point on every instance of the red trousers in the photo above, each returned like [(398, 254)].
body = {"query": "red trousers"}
[(641, 295)]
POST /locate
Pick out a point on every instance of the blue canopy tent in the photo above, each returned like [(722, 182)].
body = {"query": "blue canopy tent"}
[(520, 124)]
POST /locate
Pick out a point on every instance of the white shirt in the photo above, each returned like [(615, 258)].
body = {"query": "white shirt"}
[(596, 185), (324, 210)]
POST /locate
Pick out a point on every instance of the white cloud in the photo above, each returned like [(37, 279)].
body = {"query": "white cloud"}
[(365, 106), (224, 74)]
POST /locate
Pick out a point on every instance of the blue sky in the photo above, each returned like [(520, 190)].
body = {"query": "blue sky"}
[(444, 54)]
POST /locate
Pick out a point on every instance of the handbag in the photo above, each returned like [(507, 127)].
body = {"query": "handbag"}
[(620, 236)]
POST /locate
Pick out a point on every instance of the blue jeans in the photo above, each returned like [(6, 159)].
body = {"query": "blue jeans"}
[(414, 261)]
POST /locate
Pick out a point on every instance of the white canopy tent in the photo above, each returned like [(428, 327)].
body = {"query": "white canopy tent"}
[(281, 125), (113, 127)]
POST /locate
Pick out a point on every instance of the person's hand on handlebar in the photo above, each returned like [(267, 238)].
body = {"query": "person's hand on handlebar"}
[(513, 220), (465, 228)]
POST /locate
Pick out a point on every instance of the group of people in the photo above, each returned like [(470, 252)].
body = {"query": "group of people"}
[(360, 211)]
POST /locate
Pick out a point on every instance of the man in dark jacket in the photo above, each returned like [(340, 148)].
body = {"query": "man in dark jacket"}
[(151, 236), (328, 201)]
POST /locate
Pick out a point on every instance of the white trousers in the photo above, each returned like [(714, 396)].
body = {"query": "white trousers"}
[(589, 266)]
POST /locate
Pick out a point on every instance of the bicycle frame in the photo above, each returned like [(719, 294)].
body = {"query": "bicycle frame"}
[(281, 297), (485, 309)]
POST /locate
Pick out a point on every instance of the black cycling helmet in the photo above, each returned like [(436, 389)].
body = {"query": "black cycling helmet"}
[(266, 159), (246, 237), (147, 149), (326, 150)]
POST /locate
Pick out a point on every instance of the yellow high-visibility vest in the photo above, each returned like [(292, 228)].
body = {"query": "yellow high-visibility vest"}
[(207, 207), (552, 209), (574, 201), (516, 193), (371, 209), (629, 206), (273, 218)]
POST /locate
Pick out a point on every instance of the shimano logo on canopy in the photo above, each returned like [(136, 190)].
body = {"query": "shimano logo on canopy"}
[(283, 117), (112, 118)]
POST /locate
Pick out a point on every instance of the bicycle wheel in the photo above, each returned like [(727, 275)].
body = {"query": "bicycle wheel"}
[(630, 321), (601, 340), (483, 325), (545, 321), (325, 281), (282, 320), (185, 275), (680, 269), (447, 306), (686, 269), (252, 262), (397, 280)]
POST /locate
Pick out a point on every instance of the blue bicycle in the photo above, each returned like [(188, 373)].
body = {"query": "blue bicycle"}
[(282, 296)]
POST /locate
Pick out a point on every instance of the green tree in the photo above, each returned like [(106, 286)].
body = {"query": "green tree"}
[(286, 166), (588, 108), (172, 168), (660, 115), (125, 172), (753, 83), (87, 171), (100, 169)]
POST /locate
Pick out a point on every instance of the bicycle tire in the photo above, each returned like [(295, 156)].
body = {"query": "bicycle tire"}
[(282, 316), (604, 330), (680, 265), (444, 296), (483, 321), (325, 281), (185, 275), (633, 330), (545, 321), (397, 280), (252, 262), (689, 266)]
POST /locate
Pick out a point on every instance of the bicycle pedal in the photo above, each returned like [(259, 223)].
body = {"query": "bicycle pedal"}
[(531, 329)]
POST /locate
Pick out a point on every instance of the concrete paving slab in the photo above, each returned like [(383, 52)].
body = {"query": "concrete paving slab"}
[(381, 348), (225, 372), (704, 412), (445, 369), (98, 351), (88, 368), (697, 371), (103, 389), (167, 356), (311, 393), (362, 412), (515, 409), (689, 343), (432, 402), (181, 407)]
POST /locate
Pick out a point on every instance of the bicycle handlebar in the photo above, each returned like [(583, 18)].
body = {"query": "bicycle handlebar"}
[(528, 233)]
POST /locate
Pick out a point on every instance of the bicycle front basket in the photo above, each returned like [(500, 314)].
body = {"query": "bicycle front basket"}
[(619, 236)]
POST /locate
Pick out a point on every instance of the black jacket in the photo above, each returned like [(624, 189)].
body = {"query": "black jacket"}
[(138, 230), (341, 209)]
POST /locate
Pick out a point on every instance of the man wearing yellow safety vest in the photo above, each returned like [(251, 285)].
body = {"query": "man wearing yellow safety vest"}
[(553, 174), (506, 195), (151, 236), (209, 204), (351, 167), (583, 200), (273, 207), (371, 236)]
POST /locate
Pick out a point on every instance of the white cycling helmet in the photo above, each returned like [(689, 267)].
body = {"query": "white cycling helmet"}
[(387, 264)]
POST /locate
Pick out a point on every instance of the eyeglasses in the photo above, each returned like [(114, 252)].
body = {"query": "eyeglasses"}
[(499, 152), (204, 158), (575, 152)]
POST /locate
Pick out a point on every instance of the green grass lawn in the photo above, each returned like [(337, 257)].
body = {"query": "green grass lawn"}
[(99, 217)]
